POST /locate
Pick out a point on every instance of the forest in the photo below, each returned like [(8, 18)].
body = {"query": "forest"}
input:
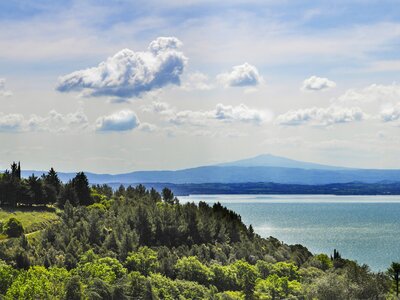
[(137, 243)]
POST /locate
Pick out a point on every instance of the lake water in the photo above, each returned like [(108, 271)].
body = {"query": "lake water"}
[(362, 228)]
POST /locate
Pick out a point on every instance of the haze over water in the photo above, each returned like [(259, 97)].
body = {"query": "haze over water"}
[(362, 228)]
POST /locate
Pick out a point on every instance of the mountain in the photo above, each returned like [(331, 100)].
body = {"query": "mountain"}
[(263, 168), (269, 160)]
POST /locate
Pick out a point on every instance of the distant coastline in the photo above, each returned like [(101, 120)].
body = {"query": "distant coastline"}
[(340, 189)]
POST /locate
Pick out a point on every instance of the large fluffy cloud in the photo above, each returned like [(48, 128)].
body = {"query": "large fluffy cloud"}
[(242, 75), (120, 121), (315, 83), (128, 73), (321, 116), (3, 91), (53, 122)]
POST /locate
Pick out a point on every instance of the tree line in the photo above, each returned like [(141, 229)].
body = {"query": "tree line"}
[(44, 190)]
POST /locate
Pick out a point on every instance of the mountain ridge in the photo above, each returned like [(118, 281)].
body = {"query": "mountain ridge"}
[(262, 168), (270, 160)]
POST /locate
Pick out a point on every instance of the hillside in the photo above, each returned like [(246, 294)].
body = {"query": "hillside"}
[(138, 244)]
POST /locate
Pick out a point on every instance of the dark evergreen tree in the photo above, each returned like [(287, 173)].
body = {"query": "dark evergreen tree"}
[(74, 289), (82, 189), (120, 192), (36, 190), (168, 195), (68, 194), (394, 273)]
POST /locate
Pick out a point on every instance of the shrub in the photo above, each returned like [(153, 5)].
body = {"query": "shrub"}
[(13, 228)]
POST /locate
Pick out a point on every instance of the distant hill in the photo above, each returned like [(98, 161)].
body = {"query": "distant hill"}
[(269, 160), (263, 168)]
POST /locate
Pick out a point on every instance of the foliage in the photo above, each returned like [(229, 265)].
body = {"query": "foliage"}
[(190, 268), (38, 283), (394, 273), (275, 287), (13, 228), (145, 261), (7, 275)]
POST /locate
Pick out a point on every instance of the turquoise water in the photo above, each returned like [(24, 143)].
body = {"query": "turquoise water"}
[(362, 228)]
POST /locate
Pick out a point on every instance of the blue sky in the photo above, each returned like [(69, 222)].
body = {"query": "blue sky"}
[(200, 82)]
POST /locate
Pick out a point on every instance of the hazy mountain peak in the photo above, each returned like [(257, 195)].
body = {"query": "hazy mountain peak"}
[(270, 160)]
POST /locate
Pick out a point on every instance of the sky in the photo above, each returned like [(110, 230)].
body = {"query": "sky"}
[(117, 86)]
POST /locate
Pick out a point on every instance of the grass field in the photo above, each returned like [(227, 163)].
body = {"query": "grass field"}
[(32, 218)]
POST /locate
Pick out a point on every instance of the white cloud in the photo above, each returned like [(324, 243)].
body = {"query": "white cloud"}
[(11, 122), (3, 91), (158, 107), (372, 93), (315, 83), (197, 118), (196, 81), (164, 43), (391, 114), (240, 113), (53, 122), (130, 74), (321, 116), (242, 75), (120, 121), (147, 127), (224, 113)]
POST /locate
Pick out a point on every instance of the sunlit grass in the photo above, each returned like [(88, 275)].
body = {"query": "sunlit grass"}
[(32, 218)]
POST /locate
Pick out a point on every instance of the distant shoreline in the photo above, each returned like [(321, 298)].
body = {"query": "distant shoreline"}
[(338, 189)]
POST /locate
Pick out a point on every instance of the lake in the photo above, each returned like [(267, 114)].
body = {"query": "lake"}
[(361, 228)]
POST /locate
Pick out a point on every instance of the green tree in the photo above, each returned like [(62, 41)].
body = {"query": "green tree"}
[(190, 268), (145, 261), (223, 277), (168, 195), (246, 277), (320, 261), (286, 269), (394, 273), (68, 195), (13, 228), (36, 190), (99, 290), (52, 179), (39, 283), (74, 289), (275, 287), (51, 186), (82, 190), (7, 275), (106, 269)]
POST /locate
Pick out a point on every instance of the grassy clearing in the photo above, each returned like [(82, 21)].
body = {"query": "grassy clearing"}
[(32, 218)]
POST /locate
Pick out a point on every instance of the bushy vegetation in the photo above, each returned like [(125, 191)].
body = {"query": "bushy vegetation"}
[(135, 243), (13, 228)]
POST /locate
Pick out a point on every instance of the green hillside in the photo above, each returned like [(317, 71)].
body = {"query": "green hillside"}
[(32, 218)]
